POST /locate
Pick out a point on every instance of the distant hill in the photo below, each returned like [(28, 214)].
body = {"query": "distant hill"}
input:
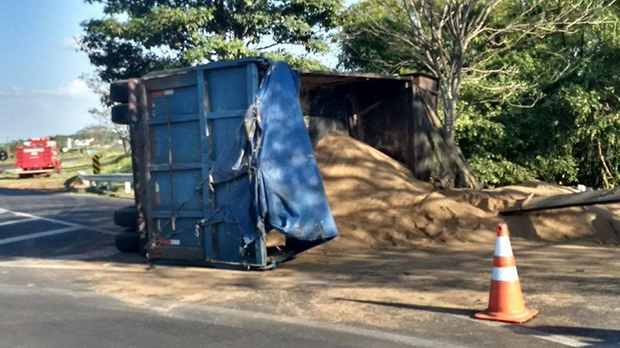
[(101, 134)]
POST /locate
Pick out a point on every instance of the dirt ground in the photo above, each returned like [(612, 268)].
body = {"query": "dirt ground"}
[(376, 202), (409, 253), (573, 286), (409, 256)]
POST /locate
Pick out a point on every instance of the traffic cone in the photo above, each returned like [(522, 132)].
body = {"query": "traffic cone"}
[(505, 298)]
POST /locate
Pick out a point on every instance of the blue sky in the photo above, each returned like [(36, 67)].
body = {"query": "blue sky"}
[(40, 90)]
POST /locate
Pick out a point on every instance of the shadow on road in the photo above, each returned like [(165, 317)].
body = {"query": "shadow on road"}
[(434, 309), (595, 337)]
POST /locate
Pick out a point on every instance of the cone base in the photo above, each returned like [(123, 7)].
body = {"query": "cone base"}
[(517, 318)]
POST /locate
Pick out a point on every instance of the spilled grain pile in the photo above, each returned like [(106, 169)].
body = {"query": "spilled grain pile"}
[(376, 202)]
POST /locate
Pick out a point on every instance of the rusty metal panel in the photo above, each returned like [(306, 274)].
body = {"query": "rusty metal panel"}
[(382, 111)]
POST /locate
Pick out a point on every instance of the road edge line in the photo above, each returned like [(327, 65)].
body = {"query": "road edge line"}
[(94, 229), (37, 235)]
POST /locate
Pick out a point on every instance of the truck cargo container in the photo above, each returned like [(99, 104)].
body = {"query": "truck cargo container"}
[(210, 191), (223, 155), (37, 156)]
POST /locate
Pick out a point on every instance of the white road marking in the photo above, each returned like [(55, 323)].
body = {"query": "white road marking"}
[(567, 341), (228, 316), (38, 235), (99, 230), (106, 252), (6, 223), (63, 265), (524, 330), (223, 314)]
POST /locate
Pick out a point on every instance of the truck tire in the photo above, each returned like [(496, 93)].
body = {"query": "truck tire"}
[(126, 217), (119, 92), (128, 241), (120, 114)]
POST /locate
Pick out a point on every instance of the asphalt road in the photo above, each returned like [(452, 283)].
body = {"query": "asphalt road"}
[(41, 307), (33, 316), (43, 303), (6, 166)]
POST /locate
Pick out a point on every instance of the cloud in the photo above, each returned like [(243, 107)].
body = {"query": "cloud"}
[(11, 92), (63, 109), (70, 43), (76, 89)]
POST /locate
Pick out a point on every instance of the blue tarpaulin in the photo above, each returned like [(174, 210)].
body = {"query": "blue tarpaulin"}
[(273, 147)]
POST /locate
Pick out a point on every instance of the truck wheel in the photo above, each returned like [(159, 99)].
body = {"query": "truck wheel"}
[(126, 217), (127, 241), (119, 91), (120, 114)]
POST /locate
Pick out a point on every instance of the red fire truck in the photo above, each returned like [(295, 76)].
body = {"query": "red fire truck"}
[(37, 156)]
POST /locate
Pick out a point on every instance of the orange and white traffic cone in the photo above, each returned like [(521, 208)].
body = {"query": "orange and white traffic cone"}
[(505, 299)]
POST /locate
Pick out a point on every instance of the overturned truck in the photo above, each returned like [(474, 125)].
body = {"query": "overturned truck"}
[(223, 161)]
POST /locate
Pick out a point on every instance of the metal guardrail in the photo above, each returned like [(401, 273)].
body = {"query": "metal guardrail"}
[(94, 178), (107, 177)]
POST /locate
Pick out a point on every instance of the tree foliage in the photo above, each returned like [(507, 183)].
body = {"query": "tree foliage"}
[(102, 116), (138, 36), (460, 40), (532, 106), (572, 134)]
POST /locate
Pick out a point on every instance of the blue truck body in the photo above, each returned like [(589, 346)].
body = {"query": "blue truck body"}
[(223, 153), (224, 158)]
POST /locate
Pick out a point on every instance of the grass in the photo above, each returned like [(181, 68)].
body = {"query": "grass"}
[(112, 161), (63, 157), (71, 155)]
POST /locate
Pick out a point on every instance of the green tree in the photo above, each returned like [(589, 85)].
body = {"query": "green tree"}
[(138, 36), (546, 108), (571, 135), (102, 116), (459, 40)]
